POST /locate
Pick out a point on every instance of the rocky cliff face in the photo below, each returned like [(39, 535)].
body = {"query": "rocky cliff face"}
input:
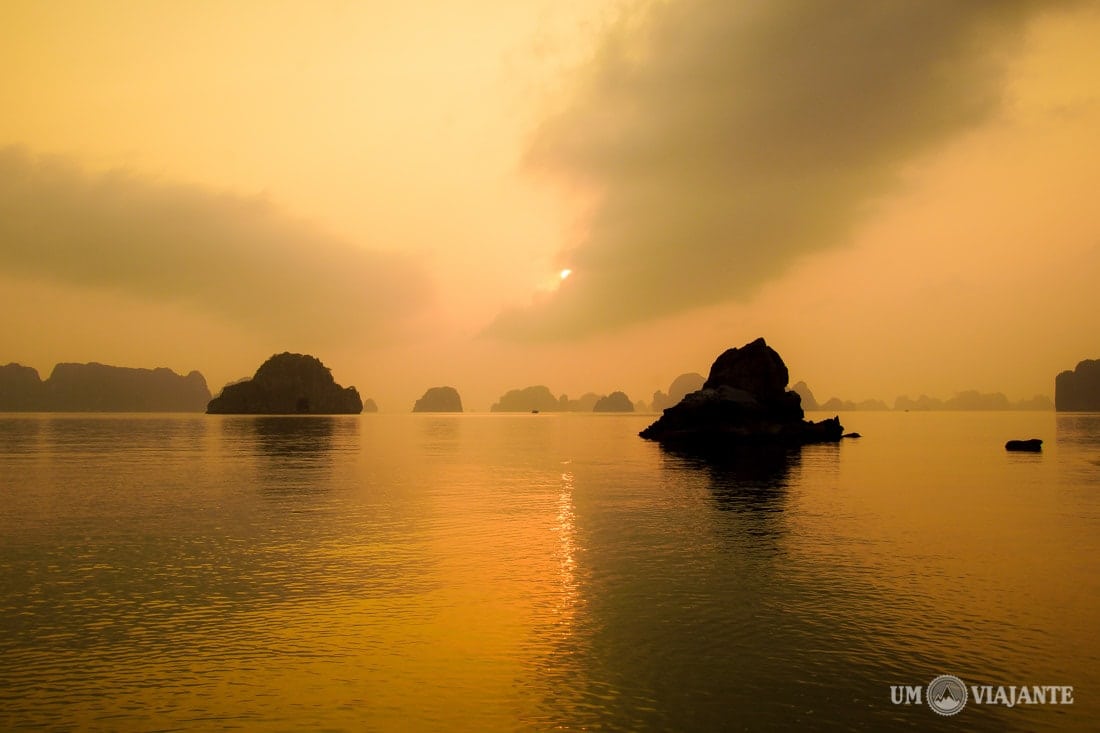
[(744, 400), (21, 389), (439, 399), (1078, 390), (288, 384), (98, 387)]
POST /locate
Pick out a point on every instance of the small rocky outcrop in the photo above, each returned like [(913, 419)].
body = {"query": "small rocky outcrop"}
[(614, 402), (1031, 445), (744, 400), (370, 405), (288, 384), (439, 399), (1078, 390), (95, 387)]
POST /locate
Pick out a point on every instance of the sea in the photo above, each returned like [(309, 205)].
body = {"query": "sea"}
[(544, 572)]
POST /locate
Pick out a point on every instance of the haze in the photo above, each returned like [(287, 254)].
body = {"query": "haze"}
[(900, 196)]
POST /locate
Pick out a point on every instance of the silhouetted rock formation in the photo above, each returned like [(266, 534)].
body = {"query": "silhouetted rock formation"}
[(744, 400), (95, 387), (288, 384), (439, 399), (1079, 390), (585, 404), (614, 402), (808, 401), (21, 389), (1032, 445), (835, 404), (369, 405), (682, 386), (527, 399)]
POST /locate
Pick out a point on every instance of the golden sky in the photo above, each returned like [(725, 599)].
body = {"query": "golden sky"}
[(899, 196)]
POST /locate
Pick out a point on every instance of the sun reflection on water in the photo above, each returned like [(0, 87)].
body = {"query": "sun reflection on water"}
[(566, 528)]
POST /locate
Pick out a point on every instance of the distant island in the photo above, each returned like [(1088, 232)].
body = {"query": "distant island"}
[(288, 384), (971, 399), (614, 402), (95, 387), (743, 401), (1078, 390), (585, 403), (682, 386), (439, 399), (528, 399), (539, 398)]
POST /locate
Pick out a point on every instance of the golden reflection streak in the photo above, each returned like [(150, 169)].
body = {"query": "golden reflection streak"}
[(568, 599)]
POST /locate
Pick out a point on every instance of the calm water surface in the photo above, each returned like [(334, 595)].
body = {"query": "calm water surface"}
[(538, 572)]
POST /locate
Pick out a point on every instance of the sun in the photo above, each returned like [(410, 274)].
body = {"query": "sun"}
[(566, 273)]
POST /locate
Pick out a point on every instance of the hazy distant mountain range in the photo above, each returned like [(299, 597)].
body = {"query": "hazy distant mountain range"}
[(967, 400), (97, 387), (539, 398)]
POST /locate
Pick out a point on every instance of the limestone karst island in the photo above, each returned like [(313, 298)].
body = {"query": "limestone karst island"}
[(439, 399), (744, 400), (95, 387), (288, 384), (1078, 390)]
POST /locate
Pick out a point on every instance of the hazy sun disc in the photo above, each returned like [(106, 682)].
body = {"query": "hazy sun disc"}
[(566, 273)]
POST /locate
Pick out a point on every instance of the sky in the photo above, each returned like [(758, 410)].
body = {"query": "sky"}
[(899, 196)]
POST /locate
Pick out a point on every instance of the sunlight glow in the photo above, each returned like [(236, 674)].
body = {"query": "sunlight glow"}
[(566, 273)]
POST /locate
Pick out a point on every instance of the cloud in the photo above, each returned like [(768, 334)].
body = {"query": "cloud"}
[(239, 258), (723, 140)]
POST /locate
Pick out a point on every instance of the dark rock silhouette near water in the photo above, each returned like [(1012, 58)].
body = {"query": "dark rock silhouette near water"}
[(439, 399), (744, 400), (1032, 445), (288, 384), (95, 387), (1078, 390)]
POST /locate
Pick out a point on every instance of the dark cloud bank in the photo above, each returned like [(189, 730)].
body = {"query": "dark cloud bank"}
[(239, 258), (725, 139)]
